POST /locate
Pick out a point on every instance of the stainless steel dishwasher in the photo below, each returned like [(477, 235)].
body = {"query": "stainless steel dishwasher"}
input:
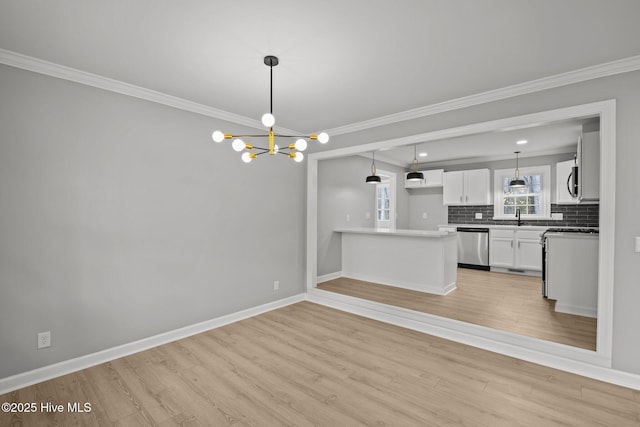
[(473, 247)]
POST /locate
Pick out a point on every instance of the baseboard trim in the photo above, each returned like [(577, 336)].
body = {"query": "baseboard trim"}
[(544, 353), (327, 277), (420, 287), (44, 373), (576, 310)]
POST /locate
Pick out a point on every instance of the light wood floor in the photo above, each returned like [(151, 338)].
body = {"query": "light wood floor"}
[(508, 302), (307, 364)]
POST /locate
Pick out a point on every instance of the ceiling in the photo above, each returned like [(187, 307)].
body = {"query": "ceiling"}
[(542, 139), (341, 61)]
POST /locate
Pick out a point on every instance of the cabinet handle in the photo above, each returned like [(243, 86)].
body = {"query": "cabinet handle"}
[(518, 245), (467, 198), (512, 244), (460, 199)]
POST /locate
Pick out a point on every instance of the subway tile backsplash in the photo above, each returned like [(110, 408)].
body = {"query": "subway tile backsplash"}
[(578, 215)]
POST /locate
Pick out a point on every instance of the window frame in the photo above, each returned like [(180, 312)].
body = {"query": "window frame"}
[(545, 192)]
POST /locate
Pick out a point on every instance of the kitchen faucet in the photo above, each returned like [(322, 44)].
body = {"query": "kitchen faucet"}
[(518, 217)]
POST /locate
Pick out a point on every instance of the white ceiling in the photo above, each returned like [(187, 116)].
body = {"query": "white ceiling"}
[(542, 139), (341, 61)]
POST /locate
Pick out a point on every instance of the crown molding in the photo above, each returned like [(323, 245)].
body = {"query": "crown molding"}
[(589, 73), (40, 66)]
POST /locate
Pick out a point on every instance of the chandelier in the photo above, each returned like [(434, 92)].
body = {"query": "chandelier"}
[(293, 150)]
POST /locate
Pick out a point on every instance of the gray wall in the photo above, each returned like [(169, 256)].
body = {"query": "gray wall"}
[(342, 191), (625, 88), (121, 219), (429, 201)]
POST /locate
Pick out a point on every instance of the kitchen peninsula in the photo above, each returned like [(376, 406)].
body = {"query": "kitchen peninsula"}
[(420, 260)]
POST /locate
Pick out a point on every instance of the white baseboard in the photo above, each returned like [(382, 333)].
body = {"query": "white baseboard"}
[(576, 310), (44, 373), (559, 356), (420, 287), (330, 276)]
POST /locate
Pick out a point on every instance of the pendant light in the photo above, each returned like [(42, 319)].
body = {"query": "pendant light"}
[(373, 178), (517, 182), (414, 175), (250, 151)]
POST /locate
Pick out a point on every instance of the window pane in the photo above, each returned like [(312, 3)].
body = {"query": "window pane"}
[(509, 210)]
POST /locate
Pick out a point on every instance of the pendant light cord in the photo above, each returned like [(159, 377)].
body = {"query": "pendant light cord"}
[(373, 163)]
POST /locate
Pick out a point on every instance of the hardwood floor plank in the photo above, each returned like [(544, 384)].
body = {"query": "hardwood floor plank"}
[(307, 364), (508, 302)]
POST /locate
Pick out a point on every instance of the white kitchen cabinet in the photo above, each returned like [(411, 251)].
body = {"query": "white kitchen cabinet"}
[(470, 187), (501, 253), (589, 166), (528, 251), (563, 170), (515, 250), (432, 178), (572, 272)]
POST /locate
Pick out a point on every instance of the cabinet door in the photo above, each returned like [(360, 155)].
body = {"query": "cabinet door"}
[(501, 252), (476, 183), (529, 254), (433, 178), (452, 188), (590, 166), (563, 169)]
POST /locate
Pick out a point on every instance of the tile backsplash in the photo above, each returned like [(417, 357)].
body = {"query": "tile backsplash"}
[(578, 215)]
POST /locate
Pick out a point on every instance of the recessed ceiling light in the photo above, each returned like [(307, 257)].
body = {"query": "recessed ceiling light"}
[(521, 142), (423, 154)]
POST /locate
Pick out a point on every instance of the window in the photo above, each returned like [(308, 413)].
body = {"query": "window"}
[(383, 202), (533, 201)]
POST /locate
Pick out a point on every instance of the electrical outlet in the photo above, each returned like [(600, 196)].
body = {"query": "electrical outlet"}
[(348, 217), (276, 285), (424, 215), (478, 215), (44, 339), (367, 215)]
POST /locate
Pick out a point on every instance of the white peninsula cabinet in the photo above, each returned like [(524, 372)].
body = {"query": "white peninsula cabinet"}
[(471, 187), (515, 250)]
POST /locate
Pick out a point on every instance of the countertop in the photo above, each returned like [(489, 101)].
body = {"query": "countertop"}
[(503, 227), (395, 232)]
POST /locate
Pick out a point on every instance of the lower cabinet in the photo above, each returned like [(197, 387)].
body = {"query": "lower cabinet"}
[(515, 249)]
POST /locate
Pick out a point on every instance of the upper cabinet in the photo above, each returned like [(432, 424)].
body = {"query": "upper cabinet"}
[(589, 166), (563, 183), (432, 178), (470, 187), (588, 159)]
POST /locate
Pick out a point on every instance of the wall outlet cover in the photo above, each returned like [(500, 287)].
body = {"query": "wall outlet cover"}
[(478, 215), (44, 339)]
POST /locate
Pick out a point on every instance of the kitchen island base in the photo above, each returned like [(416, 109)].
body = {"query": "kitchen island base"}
[(423, 261)]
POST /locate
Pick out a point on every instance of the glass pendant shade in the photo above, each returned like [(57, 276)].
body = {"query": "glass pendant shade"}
[(268, 120)]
